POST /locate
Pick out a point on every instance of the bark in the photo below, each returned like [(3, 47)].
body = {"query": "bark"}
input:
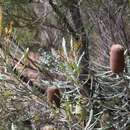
[(62, 17)]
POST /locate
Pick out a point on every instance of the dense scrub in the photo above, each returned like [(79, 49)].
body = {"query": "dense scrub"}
[(59, 68)]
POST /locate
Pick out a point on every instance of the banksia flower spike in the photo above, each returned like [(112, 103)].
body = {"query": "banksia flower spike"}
[(53, 96), (117, 60)]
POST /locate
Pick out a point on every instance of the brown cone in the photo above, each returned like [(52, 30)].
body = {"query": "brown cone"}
[(117, 60), (53, 96)]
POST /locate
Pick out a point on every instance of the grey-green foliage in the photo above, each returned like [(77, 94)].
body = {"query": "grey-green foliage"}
[(106, 90), (15, 1)]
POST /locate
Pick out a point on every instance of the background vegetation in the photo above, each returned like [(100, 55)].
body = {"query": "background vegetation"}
[(63, 44)]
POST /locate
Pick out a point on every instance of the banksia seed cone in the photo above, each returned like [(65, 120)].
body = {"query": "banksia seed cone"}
[(117, 60), (53, 96)]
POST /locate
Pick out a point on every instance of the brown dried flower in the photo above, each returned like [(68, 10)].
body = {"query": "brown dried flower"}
[(53, 96), (117, 60)]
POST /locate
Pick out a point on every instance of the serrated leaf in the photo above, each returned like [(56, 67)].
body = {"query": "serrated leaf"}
[(2, 77), (64, 48), (7, 93)]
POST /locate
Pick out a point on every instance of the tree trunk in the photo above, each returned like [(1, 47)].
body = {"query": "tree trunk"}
[(81, 35)]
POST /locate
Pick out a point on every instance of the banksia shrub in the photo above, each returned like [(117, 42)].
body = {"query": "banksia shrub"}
[(117, 61), (53, 96)]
